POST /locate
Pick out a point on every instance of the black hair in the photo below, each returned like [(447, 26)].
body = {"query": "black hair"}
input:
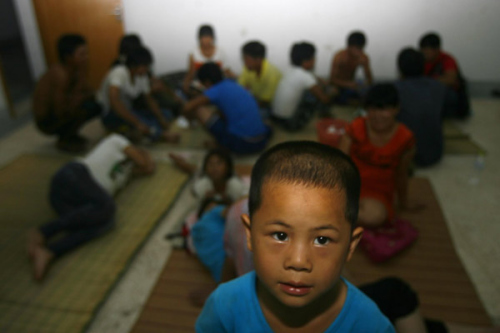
[(139, 56), (302, 52), (411, 63), (206, 30), (225, 156), (205, 203), (357, 39), (67, 45), (382, 96), (211, 72), (128, 43), (311, 164), (254, 49), (430, 40)]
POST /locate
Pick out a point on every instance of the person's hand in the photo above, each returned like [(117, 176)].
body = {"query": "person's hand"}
[(143, 129)]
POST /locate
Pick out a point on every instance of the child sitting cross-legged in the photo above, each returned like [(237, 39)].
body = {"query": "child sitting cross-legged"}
[(383, 150), (301, 228)]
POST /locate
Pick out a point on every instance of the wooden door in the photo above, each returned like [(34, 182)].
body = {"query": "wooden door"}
[(99, 21)]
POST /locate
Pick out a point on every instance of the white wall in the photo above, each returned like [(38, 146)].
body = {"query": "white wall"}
[(31, 36), (469, 29)]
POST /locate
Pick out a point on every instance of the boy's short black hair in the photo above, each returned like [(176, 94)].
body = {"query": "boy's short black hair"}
[(411, 63), (311, 164), (139, 56), (128, 43), (206, 30), (211, 72), (430, 40), (381, 96), (225, 156), (67, 44), (302, 52), (356, 38), (254, 49)]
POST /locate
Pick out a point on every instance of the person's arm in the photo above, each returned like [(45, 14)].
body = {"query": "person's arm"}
[(335, 72), (402, 181), (449, 78), (119, 107), (153, 106), (144, 164), (191, 106), (183, 164), (318, 92), (190, 75), (365, 63), (60, 82), (345, 144)]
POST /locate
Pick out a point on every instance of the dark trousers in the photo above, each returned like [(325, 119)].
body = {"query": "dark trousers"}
[(85, 209), (69, 124), (302, 115)]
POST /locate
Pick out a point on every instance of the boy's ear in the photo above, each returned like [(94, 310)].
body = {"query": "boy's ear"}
[(245, 219), (356, 235)]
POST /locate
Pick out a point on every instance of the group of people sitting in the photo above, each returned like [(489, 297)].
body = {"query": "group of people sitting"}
[(305, 209)]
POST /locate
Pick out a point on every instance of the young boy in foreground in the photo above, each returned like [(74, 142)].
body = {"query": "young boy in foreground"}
[(301, 229)]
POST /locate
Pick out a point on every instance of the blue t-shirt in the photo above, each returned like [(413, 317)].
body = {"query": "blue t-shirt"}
[(239, 108), (234, 307), (208, 240)]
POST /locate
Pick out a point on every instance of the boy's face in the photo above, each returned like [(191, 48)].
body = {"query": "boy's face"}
[(206, 42), (300, 239), (382, 120), (141, 70), (309, 64), (251, 63), (80, 57), (429, 53), (216, 168)]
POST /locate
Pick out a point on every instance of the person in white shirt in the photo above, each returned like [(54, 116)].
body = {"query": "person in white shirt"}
[(299, 92), (124, 84), (81, 193)]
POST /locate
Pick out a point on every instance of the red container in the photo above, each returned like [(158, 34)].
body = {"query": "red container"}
[(331, 130)]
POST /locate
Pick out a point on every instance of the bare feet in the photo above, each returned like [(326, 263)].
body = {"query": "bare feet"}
[(171, 137), (42, 258), (35, 239)]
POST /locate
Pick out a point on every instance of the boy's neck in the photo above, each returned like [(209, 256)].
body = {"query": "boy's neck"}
[(316, 316)]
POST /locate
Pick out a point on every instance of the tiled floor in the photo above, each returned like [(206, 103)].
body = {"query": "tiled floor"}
[(470, 210)]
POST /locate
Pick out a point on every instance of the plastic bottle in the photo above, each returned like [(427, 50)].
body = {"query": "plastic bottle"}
[(478, 168)]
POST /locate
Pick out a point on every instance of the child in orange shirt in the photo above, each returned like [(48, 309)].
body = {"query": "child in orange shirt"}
[(383, 150)]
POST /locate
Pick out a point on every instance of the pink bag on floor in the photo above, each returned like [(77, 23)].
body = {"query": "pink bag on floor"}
[(385, 242)]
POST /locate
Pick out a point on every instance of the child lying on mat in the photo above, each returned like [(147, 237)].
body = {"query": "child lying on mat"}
[(81, 193), (301, 229), (383, 150), (217, 177)]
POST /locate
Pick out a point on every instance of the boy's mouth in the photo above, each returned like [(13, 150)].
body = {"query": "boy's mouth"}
[(295, 288)]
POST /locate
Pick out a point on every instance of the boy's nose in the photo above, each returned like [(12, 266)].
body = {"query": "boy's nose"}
[(298, 257)]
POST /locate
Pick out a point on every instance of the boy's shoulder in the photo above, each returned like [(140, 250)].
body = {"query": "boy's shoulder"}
[(233, 307), (360, 314)]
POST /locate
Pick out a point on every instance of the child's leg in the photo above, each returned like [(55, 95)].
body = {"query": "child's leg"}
[(372, 213)]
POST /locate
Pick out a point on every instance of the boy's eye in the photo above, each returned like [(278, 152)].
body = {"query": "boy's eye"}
[(321, 240), (281, 236)]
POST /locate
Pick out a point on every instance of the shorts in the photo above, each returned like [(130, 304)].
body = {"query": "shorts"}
[(218, 128)]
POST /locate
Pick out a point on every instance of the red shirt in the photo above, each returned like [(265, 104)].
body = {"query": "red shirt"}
[(378, 165), (442, 64)]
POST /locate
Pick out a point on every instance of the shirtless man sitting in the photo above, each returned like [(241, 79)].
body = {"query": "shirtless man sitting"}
[(63, 100), (344, 65)]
